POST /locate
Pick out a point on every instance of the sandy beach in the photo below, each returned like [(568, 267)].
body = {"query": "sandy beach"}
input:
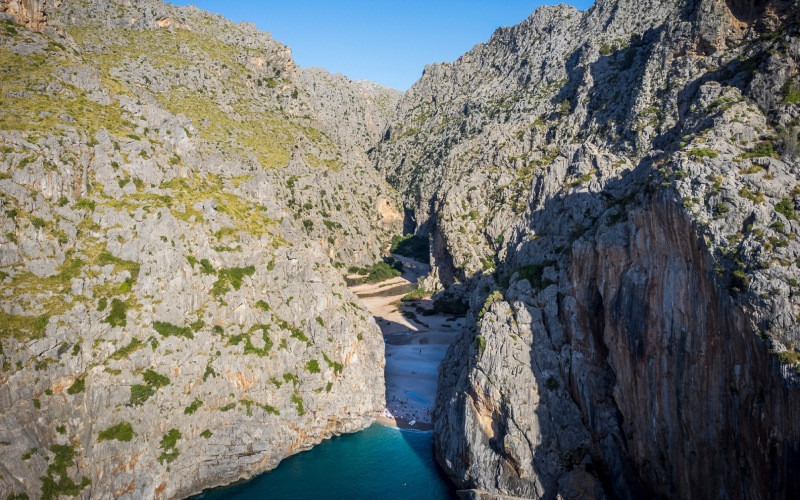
[(415, 345)]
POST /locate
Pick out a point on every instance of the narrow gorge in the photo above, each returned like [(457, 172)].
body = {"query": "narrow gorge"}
[(213, 259)]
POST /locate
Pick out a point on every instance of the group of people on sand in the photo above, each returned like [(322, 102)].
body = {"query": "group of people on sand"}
[(402, 409)]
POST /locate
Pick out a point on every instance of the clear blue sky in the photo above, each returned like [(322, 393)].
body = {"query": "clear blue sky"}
[(386, 41)]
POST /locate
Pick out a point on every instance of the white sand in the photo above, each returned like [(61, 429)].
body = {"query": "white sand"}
[(413, 350)]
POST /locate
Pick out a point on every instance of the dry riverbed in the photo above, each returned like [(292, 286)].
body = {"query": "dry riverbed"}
[(416, 341)]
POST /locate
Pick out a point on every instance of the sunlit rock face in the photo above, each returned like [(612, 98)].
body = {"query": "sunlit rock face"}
[(177, 203)]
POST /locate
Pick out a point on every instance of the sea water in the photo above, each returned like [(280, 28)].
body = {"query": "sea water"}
[(376, 463)]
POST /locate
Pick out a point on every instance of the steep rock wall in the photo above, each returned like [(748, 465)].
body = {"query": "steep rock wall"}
[(175, 212), (31, 13), (616, 191), (704, 409)]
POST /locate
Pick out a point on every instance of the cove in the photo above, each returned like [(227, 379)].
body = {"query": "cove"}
[(378, 462)]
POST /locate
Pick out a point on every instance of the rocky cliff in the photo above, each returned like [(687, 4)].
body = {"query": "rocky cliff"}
[(31, 13), (614, 193), (176, 199)]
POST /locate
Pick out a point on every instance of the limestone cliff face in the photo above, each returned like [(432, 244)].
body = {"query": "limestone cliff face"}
[(690, 369), (614, 192), (175, 205), (31, 13)]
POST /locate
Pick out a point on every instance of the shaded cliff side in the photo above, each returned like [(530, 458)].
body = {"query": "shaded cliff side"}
[(614, 194)]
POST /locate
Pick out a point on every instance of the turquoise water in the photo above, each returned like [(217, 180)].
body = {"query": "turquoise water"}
[(378, 462)]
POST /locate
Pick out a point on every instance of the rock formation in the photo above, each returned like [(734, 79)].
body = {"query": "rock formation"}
[(614, 193), (31, 13), (176, 199)]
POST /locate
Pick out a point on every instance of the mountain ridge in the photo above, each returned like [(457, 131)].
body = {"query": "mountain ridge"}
[(610, 193), (175, 224), (611, 196)]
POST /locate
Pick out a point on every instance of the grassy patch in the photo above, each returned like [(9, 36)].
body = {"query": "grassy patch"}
[(121, 432), (192, 408), (267, 408), (754, 197), (533, 273), (288, 377), (125, 351), (580, 181), (78, 386), (418, 294), (298, 401), (785, 207), (166, 329), (791, 91), (761, 150), (50, 294), (232, 277), (334, 164), (105, 258), (140, 393), (227, 407), (206, 267), (752, 169), (184, 193), (480, 343), (334, 365), (739, 281), (23, 327), (701, 153), (210, 372), (152, 382), (313, 366), (169, 446), (495, 296), (33, 111), (118, 315), (789, 357), (380, 271), (206, 434), (57, 481), (294, 332), (249, 348), (268, 137), (155, 379), (246, 216)]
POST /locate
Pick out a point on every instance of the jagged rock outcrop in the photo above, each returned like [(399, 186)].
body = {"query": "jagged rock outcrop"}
[(175, 202), (31, 13), (615, 192)]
